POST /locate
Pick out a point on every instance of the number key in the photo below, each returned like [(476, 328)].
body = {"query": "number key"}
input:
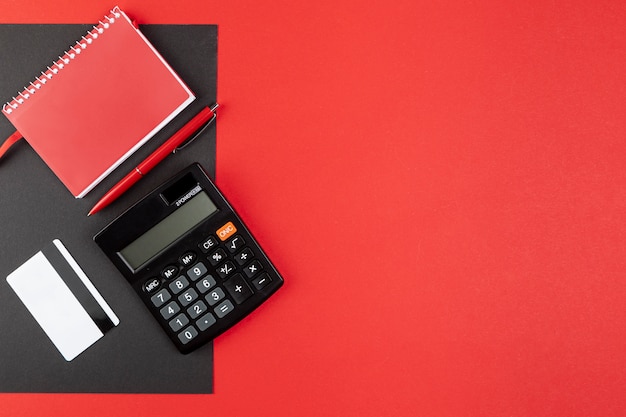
[(169, 310), (197, 309), (205, 284), (187, 297), (160, 298), (197, 271), (215, 296), (178, 285), (178, 322), (188, 335)]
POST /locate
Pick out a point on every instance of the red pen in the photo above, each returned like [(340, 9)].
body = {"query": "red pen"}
[(197, 123)]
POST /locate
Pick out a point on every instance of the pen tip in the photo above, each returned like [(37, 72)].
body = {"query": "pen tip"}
[(214, 107)]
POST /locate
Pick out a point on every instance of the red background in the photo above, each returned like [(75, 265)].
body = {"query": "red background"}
[(442, 187)]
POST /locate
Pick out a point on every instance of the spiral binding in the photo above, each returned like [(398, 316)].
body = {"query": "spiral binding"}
[(66, 59)]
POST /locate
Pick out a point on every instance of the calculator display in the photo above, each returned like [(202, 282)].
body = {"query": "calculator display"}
[(168, 230)]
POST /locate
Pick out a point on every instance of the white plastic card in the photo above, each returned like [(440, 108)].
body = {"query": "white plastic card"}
[(61, 298)]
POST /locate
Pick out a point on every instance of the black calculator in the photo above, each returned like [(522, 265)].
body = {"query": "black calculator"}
[(190, 258)]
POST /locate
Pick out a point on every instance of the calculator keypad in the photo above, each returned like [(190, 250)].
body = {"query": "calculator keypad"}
[(197, 289)]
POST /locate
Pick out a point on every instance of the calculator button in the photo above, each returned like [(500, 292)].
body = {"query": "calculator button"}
[(169, 310), (160, 298), (238, 288), (196, 309), (252, 269), (187, 297), (187, 259), (224, 308), (188, 335), (244, 256), (152, 285), (226, 231), (235, 244), (226, 270), (178, 322), (205, 284), (208, 244), (197, 271), (206, 321), (217, 257), (215, 296), (261, 281), (178, 285), (169, 272)]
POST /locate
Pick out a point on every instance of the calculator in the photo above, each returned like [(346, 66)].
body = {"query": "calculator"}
[(190, 258)]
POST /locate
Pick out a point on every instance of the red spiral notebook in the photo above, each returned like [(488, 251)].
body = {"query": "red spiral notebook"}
[(98, 103)]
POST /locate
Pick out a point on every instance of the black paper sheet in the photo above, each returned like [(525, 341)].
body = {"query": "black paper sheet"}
[(35, 208)]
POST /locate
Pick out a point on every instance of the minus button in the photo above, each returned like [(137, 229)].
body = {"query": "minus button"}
[(261, 281)]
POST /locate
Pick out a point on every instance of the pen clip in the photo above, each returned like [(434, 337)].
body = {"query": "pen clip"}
[(195, 135)]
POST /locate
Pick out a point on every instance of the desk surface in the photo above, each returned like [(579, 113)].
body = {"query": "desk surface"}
[(441, 185)]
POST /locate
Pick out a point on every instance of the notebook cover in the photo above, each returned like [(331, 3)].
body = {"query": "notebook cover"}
[(98, 103), (136, 356)]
